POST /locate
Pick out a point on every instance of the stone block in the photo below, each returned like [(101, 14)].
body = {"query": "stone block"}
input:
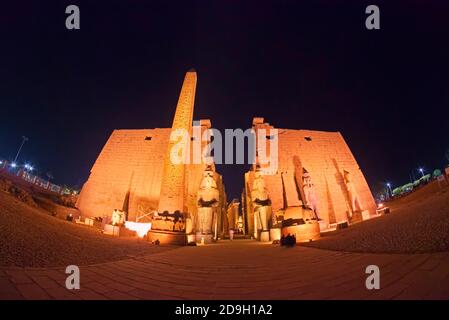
[(275, 234), (365, 215), (204, 238), (111, 230), (323, 225), (191, 238), (265, 236), (342, 225), (303, 232), (125, 232), (167, 237)]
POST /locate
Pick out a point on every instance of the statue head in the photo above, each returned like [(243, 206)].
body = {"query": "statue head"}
[(208, 180), (257, 172), (258, 177), (208, 172), (306, 178), (347, 176), (259, 191)]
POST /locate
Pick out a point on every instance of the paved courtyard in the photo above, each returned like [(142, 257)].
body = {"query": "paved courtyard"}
[(242, 269)]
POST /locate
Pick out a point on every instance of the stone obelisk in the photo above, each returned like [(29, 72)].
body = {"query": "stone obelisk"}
[(173, 187)]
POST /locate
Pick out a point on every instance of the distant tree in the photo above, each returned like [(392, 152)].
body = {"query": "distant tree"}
[(397, 191), (436, 172)]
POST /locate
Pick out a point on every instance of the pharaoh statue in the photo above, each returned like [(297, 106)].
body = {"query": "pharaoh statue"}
[(208, 196), (261, 201), (311, 199), (354, 200)]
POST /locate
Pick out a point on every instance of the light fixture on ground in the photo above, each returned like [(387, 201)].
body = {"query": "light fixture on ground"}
[(140, 228)]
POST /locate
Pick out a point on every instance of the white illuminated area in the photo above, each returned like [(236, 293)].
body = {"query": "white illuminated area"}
[(139, 227)]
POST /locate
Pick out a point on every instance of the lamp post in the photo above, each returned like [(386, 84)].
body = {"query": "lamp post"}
[(24, 139), (422, 171), (389, 188)]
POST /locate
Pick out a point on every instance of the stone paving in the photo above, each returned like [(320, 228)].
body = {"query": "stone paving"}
[(241, 269)]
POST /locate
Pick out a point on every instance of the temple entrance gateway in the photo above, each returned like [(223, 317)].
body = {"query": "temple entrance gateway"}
[(301, 182)]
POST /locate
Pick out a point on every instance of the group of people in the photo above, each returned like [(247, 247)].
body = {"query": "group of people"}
[(288, 241)]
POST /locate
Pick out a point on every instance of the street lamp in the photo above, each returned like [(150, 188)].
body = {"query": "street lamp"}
[(422, 171), (24, 139), (389, 188)]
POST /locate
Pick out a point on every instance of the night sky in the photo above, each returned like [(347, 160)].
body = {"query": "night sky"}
[(300, 64)]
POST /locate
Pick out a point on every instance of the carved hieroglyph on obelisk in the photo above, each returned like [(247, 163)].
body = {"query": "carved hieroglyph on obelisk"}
[(173, 187)]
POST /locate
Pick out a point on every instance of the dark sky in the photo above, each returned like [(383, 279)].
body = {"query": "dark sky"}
[(299, 64)]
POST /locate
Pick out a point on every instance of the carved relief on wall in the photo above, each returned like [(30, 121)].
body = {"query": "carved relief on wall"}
[(310, 193), (354, 199), (168, 221)]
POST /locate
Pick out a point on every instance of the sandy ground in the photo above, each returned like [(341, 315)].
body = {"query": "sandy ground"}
[(418, 223), (31, 237)]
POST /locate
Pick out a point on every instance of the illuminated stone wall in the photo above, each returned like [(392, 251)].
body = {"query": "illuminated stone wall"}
[(128, 172), (128, 175), (325, 155)]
